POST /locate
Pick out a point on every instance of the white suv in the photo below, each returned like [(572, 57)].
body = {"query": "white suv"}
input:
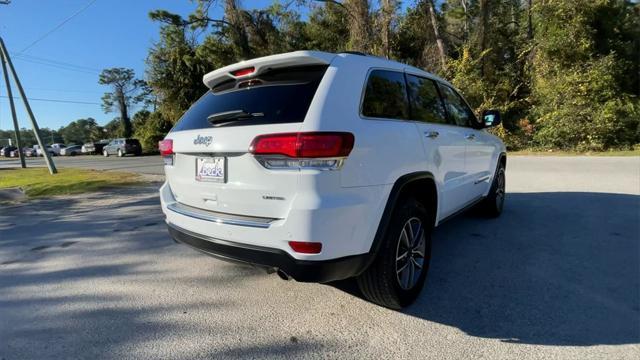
[(328, 166)]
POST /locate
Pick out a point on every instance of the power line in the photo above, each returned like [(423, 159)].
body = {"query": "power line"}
[(63, 90), (55, 62), (57, 26), (60, 67), (55, 100)]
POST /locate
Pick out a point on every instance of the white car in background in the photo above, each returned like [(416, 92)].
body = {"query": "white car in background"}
[(39, 152), (57, 147), (329, 166)]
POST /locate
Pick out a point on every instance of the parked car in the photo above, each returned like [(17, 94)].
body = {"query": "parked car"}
[(94, 147), (6, 151), (56, 148), (14, 153), (329, 166), (48, 149), (30, 152), (71, 150), (122, 147)]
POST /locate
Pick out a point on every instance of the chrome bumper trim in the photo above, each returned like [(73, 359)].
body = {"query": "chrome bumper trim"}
[(220, 218)]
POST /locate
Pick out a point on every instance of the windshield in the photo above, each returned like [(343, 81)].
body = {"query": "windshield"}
[(280, 96)]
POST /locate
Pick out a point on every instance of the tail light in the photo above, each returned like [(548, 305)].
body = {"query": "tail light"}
[(315, 150), (304, 247), (166, 147), (166, 151)]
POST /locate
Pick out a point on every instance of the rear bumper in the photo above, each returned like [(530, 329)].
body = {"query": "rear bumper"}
[(321, 271)]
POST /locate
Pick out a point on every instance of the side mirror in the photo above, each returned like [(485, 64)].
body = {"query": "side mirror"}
[(491, 118)]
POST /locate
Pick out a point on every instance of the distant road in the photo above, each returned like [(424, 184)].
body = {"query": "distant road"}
[(137, 164)]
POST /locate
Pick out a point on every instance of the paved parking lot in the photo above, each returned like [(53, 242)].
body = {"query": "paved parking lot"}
[(557, 276), (140, 164)]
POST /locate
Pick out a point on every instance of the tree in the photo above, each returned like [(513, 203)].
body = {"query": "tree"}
[(359, 25), (151, 128), (436, 33), (564, 73), (327, 28), (388, 14), (80, 131), (125, 91)]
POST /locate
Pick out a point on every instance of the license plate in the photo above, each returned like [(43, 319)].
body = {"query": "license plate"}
[(211, 169)]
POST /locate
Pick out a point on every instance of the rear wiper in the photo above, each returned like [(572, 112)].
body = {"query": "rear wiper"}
[(227, 116)]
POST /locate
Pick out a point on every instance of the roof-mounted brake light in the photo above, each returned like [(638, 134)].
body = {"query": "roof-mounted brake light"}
[(243, 72)]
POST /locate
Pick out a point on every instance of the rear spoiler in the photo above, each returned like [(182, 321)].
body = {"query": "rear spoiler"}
[(253, 67)]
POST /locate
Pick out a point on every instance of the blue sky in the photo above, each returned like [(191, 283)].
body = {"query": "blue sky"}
[(109, 33)]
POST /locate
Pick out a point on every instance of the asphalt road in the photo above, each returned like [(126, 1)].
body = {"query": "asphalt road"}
[(139, 164), (556, 276)]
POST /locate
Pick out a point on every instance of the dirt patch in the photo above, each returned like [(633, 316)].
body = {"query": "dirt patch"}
[(12, 194)]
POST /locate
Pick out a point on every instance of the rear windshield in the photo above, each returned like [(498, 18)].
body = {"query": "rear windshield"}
[(274, 97), (132, 141)]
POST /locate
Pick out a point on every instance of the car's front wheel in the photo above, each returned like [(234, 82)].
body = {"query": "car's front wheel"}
[(493, 204), (398, 273), (105, 153)]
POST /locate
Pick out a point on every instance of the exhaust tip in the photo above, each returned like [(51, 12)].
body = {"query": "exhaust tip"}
[(283, 275)]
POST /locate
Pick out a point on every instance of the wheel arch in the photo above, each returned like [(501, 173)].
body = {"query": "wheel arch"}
[(407, 185)]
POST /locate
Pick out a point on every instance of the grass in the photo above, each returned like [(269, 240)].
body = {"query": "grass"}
[(635, 152), (37, 182)]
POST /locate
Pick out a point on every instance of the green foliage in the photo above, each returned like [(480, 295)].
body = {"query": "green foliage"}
[(564, 73), (582, 96), (28, 137), (327, 28), (126, 90), (151, 128), (80, 131)]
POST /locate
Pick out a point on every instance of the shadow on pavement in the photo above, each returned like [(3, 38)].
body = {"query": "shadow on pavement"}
[(554, 269)]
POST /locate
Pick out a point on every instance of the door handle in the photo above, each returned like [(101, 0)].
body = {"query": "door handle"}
[(470, 136), (431, 134)]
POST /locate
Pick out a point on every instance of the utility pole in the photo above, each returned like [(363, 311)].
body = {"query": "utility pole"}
[(13, 112), (6, 61)]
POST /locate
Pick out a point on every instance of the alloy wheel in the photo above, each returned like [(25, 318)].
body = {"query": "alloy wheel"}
[(410, 253), (500, 190)]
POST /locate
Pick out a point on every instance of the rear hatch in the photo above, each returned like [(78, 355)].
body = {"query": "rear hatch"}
[(212, 168)]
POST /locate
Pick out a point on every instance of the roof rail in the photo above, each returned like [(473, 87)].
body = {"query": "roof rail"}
[(354, 53)]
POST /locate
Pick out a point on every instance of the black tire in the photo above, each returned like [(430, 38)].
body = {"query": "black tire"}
[(120, 153), (105, 153), (382, 283), (493, 204)]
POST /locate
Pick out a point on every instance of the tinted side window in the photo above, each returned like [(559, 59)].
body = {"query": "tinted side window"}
[(426, 104), (458, 110), (386, 96)]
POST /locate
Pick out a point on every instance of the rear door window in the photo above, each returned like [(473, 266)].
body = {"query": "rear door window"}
[(426, 104), (386, 96), (274, 97)]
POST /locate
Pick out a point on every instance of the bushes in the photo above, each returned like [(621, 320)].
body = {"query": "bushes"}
[(151, 130)]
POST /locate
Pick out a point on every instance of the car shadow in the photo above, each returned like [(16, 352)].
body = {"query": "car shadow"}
[(557, 268)]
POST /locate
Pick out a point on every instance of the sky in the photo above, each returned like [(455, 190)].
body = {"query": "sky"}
[(65, 61)]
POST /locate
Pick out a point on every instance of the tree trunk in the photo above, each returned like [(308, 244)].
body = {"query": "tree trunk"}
[(436, 32), (124, 114), (359, 25), (239, 35), (482, 31), (388, 10), (529, 22), (465, 35)]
